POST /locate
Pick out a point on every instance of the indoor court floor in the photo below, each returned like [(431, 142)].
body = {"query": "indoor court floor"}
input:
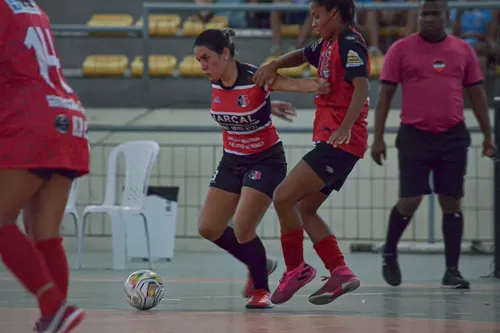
[(203, 295)]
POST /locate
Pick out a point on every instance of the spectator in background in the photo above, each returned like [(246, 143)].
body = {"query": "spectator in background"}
[(258, 20), (399, 18), (277, 19), (479, 28), (367, 22), (237, 19), (205, 15)]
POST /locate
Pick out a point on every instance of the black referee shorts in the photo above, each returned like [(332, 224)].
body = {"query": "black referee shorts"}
[(422, 153)]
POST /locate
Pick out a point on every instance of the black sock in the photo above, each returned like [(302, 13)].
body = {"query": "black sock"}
[(257, 263), (229, 243), (397, 226), (453, 229)]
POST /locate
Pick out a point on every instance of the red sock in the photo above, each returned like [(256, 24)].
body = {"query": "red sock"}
[(57, 263), (329, 252), (23, 259), (292, 244)]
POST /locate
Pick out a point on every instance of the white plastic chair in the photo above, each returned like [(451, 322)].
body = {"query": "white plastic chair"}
[(71, 207), (140, 157)]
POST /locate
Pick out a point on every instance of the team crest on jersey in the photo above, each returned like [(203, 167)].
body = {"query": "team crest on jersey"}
[(353, 59), (243, 101), (23, 6), (439, 65), (255, 175)]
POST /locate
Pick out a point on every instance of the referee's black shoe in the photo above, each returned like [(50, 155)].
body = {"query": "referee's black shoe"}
[(452, 279), (390, 269)]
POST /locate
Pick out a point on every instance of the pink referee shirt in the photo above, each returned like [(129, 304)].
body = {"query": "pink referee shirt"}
[(432, 76)]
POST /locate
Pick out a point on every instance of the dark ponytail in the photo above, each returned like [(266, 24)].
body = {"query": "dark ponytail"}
[(217, 40)]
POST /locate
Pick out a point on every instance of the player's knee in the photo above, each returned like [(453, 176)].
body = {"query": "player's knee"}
[(281, 198), (408, 206), (449, 204), (306, 210), (244, 232), (209, 231)]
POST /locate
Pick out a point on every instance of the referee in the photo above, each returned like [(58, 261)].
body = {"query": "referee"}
[(433, 69)]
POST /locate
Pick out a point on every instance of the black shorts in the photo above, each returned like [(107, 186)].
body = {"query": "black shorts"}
[(46, 174), (443, 154), (262, 171), (332, 165)]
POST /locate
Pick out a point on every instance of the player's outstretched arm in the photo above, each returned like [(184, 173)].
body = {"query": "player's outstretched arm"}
[(268, 71), (312, 85)]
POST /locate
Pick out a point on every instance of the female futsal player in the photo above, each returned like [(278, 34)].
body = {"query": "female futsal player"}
[(43, 148), (253, 162), (340, 134)]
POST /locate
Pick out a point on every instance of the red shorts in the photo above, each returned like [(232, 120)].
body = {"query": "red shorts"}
[(44, 139), (327, 120)]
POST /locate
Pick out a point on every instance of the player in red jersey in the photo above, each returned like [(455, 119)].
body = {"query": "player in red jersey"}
[(253, 163), (340, 133), (43, 148)]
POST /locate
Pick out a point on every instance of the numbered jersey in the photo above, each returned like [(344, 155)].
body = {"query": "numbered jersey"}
[(42, 123)]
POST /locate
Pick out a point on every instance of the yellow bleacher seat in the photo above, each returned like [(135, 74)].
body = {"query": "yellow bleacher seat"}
[(313, 70), (110, 20), (217, 22), (193, 26), (392, 31), (162, 25), (105, 65), (290, 72), (376, 64), (190, 67), (159, 65), (290, 30)]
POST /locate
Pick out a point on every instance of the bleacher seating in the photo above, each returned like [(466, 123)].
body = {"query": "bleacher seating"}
[(190, 67), (291, 72), (193, 26), (110, 20), (105, 65), (162, 25), (168, 65), (172, 25), (159, 65)]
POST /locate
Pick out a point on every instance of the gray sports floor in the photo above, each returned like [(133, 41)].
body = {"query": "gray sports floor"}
[(203, 295)]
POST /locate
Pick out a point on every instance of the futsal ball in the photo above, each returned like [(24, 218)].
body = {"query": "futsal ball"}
[(144, 289)]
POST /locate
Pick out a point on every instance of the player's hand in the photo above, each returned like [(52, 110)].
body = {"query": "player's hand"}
[(323, 86), (266, 73), (283, 110), (379, 151), (340, 136), (489, 149)]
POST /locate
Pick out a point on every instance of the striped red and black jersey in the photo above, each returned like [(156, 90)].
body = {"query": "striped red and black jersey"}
[(244, 112)]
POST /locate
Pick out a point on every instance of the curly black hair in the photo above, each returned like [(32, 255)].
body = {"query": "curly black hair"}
[(346, 8)]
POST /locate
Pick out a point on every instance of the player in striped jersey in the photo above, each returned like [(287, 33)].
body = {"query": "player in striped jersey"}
[(253, 162)]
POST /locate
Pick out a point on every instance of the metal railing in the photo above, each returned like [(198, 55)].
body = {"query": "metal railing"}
[(358, 212)]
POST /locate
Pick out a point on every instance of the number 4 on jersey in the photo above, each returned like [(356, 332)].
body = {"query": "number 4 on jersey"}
[(40, 40)]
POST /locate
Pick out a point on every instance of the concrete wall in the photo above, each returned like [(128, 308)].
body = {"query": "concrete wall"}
[(359, 211)]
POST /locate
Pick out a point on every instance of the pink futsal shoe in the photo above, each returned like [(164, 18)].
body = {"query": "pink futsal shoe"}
[(292, 281), (341, 281), (249, 289), (64, 321)]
